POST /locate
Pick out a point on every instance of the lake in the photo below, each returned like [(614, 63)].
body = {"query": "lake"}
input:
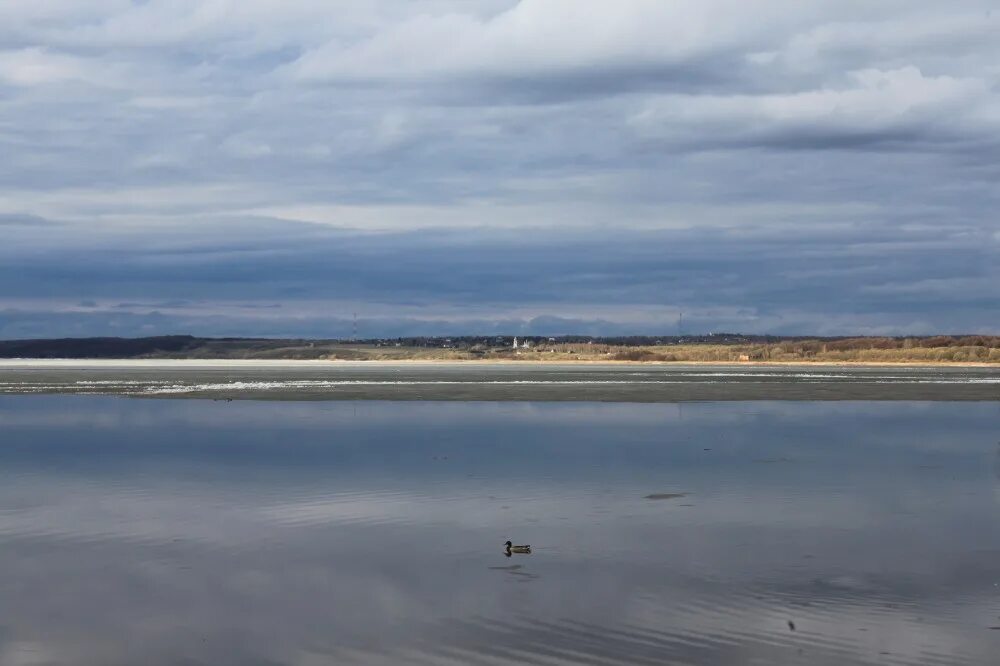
[(495, 381), (140, 531)]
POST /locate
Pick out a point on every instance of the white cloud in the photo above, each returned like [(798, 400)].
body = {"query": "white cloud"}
[(874, 101), (37, 66), (924, 36), (544, 36)]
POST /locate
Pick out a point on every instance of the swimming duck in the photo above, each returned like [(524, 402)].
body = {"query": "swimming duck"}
[(511, 548)]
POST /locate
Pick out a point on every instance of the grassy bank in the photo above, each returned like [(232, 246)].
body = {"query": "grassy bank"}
[(734, 349), (807, 351)]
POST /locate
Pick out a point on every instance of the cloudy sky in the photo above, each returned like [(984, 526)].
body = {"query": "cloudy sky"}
[(259, 167)]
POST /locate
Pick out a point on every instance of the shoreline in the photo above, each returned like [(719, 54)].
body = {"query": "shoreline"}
[(459, 380), (23, 363)]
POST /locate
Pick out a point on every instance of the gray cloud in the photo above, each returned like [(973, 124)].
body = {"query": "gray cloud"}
[(829, 167), (291, 279)]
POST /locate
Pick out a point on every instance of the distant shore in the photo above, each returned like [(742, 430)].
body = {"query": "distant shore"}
[(723, 348)]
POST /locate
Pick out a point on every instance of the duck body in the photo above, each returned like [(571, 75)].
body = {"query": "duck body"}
[(523, 550)]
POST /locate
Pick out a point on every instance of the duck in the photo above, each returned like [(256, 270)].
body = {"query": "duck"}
[(511, 548)]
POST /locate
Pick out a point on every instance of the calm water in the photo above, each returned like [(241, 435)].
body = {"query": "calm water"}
[(200, 532), (522, 381)]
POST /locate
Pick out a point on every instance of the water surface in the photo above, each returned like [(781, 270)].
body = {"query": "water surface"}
[(520, 381), (254, 532)]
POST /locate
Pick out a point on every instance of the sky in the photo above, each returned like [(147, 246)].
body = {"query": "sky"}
[(274, 168)]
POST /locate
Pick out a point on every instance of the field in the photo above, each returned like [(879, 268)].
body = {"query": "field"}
[(929, 350), (859, 350)]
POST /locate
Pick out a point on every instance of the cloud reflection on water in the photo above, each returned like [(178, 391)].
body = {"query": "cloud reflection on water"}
[(300, 533)]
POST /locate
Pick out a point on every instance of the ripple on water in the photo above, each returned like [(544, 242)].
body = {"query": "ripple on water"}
[(305, 535)]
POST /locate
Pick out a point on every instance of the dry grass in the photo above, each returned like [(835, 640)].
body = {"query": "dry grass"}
[(785, 352)]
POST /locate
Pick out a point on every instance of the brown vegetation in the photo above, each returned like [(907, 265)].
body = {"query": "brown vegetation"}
[(939, 349), (739, 349)]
